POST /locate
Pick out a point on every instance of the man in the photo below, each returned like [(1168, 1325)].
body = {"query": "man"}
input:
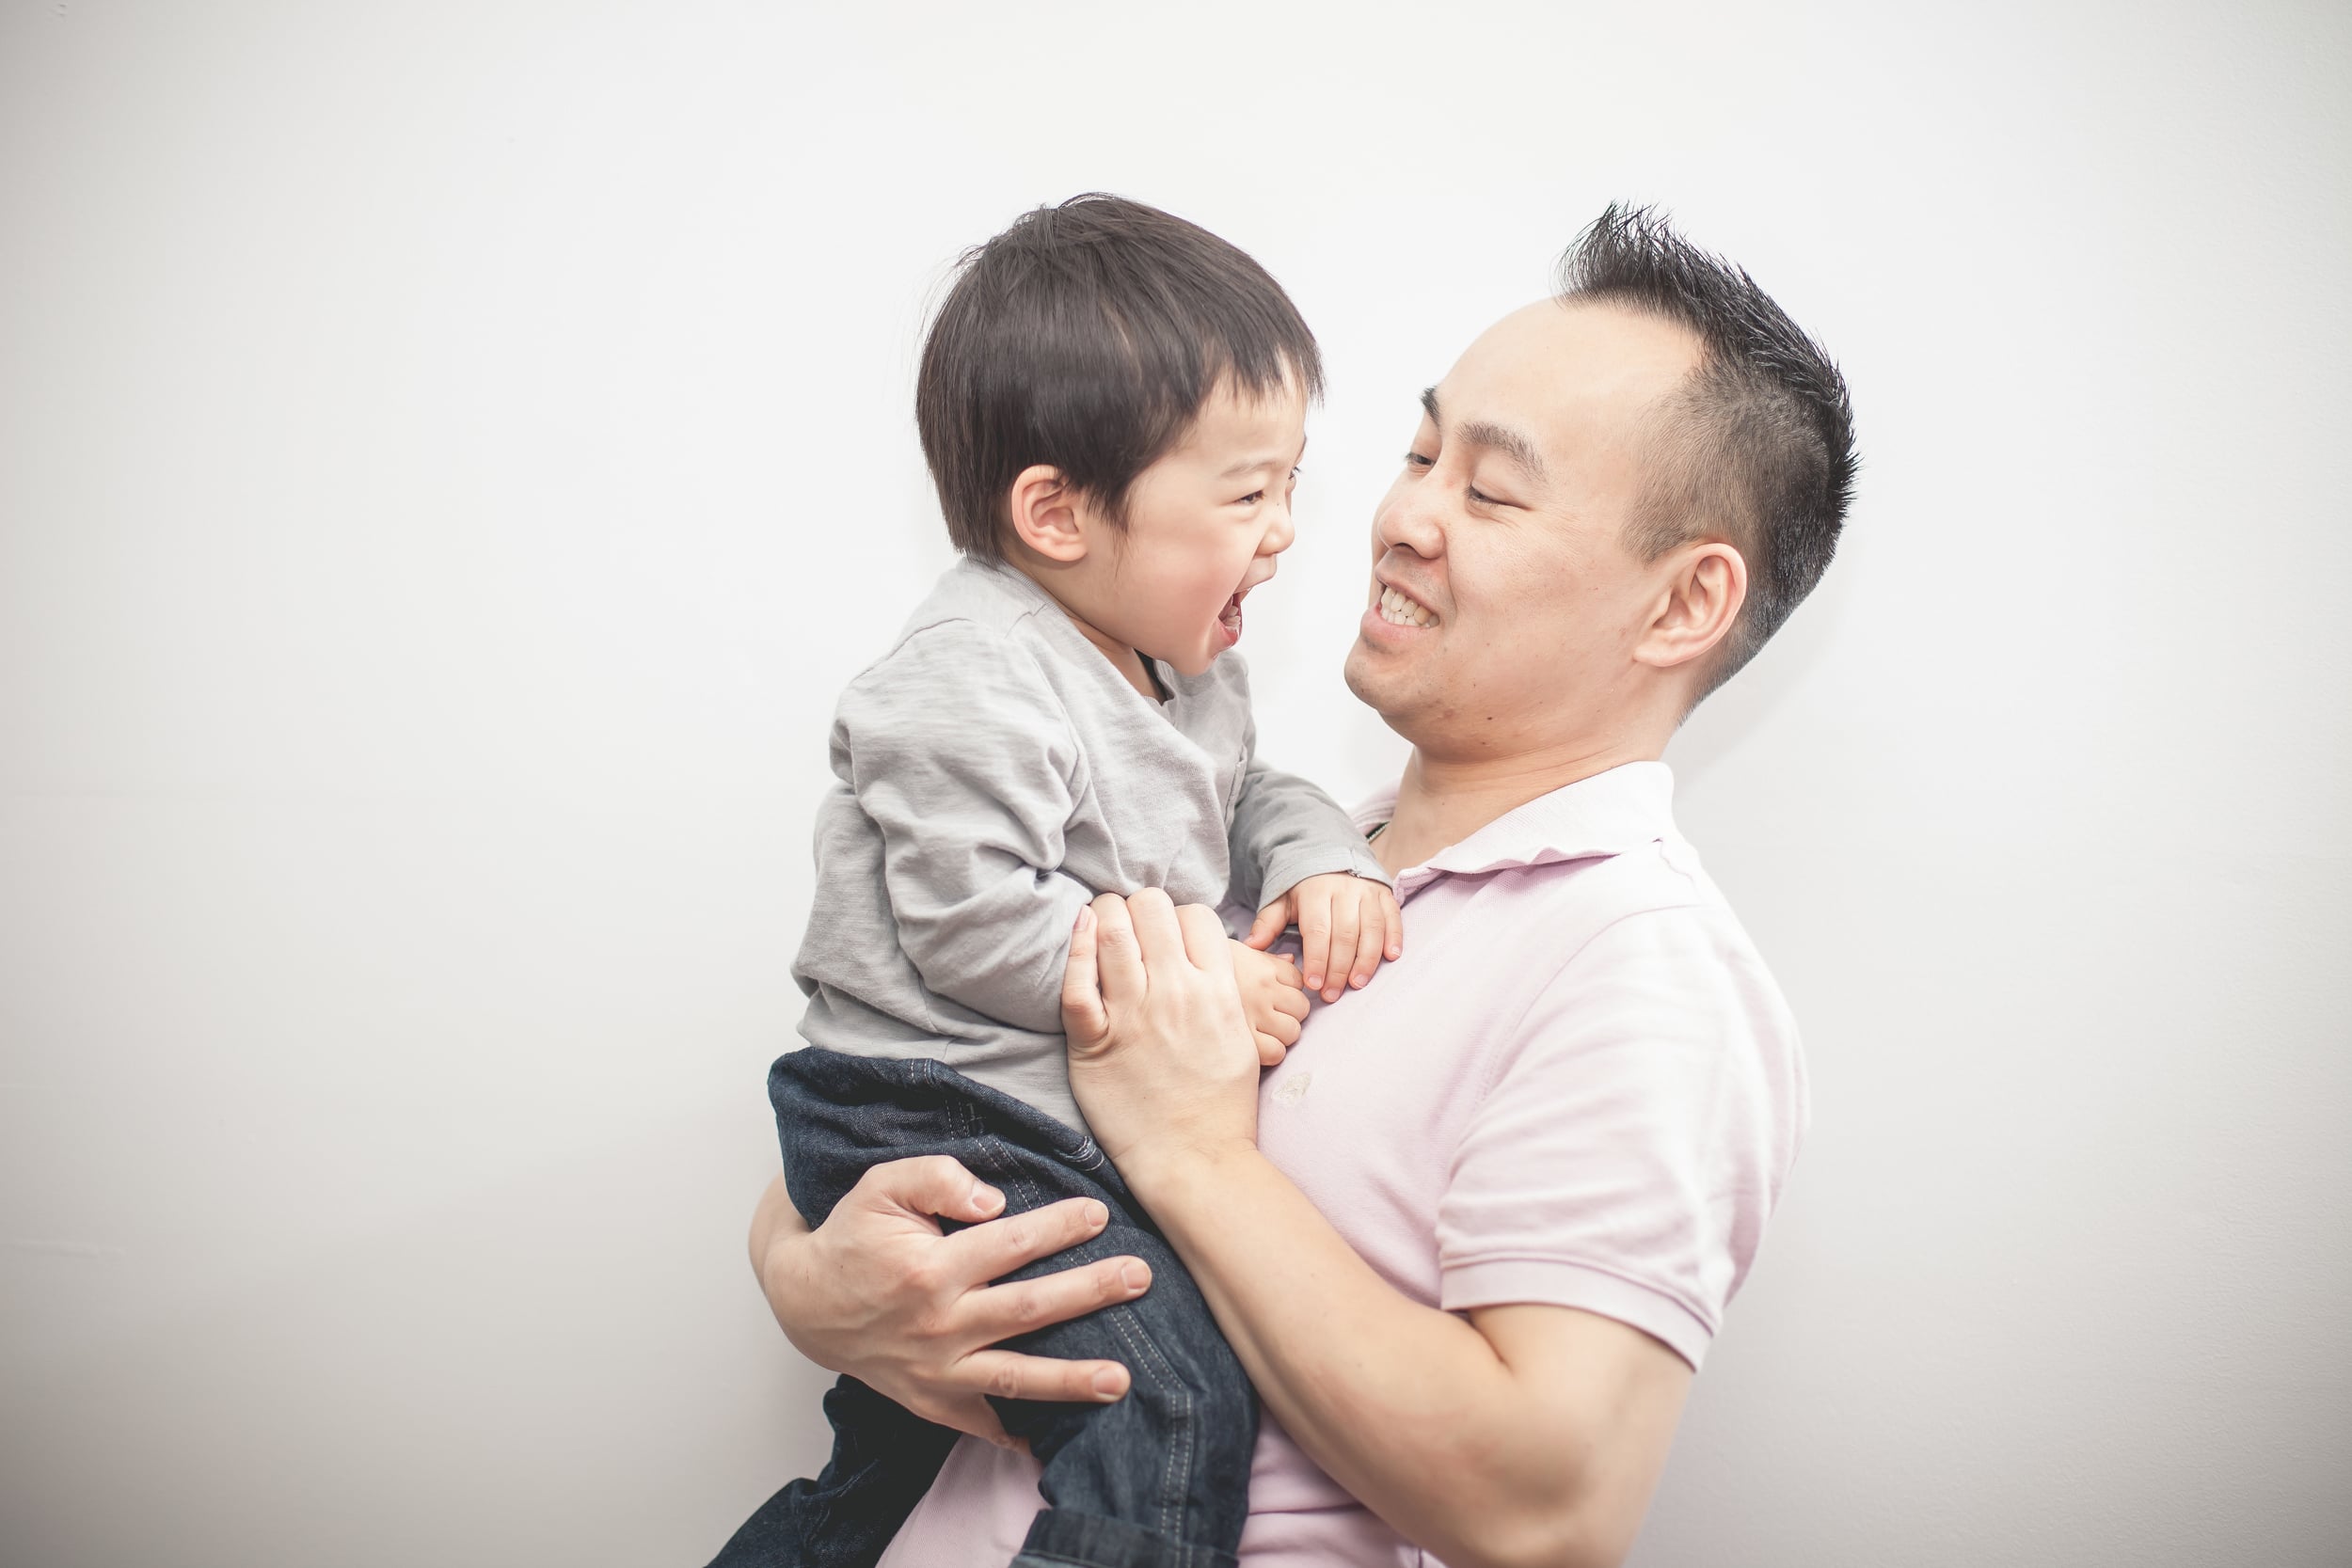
[(1472, 1238)]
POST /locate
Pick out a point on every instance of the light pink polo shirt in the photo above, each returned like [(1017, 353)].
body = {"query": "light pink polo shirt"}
[(1579, 1086)]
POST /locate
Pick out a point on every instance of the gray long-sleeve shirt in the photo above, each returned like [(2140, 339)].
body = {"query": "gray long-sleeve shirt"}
[(994, 772)]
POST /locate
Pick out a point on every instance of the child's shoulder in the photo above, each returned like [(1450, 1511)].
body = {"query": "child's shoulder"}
[(977, 623)]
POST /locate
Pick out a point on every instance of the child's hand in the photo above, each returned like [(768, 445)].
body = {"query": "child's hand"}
[(1274, 998), (1346, 925)]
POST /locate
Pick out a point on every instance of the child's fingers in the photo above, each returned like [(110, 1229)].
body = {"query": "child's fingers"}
[(1339, 961), (1290, 1003), (1270, 1051), (1315, 939), (1393, 919), (1269, 925), (1370, 944)]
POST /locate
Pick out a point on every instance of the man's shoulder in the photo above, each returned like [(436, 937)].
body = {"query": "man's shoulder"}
[(1651, 908)]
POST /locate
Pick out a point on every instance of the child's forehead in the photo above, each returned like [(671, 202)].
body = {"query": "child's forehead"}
[(1235, 419)]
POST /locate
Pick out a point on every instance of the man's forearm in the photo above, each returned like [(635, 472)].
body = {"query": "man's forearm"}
[(1412, 1409)]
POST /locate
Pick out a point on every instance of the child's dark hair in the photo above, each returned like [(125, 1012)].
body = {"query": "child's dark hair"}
[(1088, 335)]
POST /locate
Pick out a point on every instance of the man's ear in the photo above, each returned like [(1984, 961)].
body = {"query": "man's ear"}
[(1706, 584), (1044, 510)]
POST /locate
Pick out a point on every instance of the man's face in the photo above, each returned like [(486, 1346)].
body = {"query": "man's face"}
[(1504, 606)]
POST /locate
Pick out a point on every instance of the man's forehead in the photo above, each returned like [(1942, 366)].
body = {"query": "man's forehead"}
[(1554, 370)]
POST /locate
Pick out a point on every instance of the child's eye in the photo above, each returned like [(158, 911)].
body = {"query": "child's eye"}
[(1252, 498)]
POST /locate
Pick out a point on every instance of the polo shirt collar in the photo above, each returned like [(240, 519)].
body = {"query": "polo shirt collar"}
[(1627, 807)]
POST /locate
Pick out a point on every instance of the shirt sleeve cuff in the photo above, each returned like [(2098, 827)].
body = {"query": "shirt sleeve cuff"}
[(1291, 868), (1549, 1282)]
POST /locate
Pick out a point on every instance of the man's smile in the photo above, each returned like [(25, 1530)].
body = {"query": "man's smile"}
[(1397, 608)]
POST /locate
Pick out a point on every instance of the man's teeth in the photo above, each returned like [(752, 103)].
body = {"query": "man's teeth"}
[(1398, 610)]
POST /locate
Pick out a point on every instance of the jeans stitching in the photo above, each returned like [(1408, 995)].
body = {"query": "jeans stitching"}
[(1176, 1473), (967, 1123)]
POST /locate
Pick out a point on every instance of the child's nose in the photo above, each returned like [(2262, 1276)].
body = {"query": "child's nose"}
[(1279, 533)]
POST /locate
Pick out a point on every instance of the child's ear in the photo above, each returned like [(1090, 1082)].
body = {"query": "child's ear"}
[(1045, 517)]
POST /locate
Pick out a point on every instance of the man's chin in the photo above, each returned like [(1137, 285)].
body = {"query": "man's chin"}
[(1374, 686)]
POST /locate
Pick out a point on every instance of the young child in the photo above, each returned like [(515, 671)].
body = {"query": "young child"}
[(1112, 403)]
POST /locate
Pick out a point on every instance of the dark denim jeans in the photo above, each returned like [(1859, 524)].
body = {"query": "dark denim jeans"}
[(1159, 1480)]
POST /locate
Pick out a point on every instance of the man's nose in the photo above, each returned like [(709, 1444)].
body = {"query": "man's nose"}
[(1409, 520)]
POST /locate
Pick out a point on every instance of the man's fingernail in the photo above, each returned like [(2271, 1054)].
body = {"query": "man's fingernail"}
[(1107, 1384), (1096, 1212), (987, 1199), (1135, 1276)]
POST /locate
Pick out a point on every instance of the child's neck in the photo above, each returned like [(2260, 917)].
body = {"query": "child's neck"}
[(1123, 658)]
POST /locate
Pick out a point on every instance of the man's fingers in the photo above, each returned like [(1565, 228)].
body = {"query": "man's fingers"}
[(1022, 1305), (1205, 942), (1118, 962), (1159, 936), (1082, 1012), (1010, 1375), (1271, 923), (966, 1412), (926, 1185), (991, 1251)]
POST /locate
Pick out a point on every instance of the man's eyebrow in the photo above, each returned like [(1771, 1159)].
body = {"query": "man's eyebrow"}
[(1483, 433), (1509, 442)]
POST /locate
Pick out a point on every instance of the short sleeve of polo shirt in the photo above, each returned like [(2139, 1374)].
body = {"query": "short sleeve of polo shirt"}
[(1635, 1136)]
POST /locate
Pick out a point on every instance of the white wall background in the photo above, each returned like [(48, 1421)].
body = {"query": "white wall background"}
[(450, 455)]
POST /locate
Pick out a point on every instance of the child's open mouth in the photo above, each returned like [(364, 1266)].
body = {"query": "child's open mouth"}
[(1229, 618)]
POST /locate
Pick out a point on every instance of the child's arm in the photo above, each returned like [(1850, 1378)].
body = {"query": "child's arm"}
[(961, 756), (1347, 926), (1298, 859)]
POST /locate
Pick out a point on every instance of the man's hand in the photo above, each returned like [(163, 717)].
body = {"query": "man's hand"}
[(1272, 998), (1347, 926), (877, 1292), (1162, 1056)]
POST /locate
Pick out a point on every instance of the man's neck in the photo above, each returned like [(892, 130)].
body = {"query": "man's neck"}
[(1442, 801)]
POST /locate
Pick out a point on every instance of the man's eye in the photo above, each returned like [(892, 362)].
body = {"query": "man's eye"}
[(1485, 500), (1415, 460)]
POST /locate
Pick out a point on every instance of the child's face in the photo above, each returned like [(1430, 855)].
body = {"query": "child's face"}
[(1204, 524)]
